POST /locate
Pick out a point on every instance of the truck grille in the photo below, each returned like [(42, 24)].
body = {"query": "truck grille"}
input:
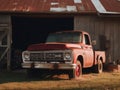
[(46, 56)]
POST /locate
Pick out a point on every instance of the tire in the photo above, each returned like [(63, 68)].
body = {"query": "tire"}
[(99, 67), (77, 72)]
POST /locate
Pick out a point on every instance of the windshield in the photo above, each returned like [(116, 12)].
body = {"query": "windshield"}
[(66, 37)]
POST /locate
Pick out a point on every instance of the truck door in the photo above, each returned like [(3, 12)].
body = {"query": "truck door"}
[(88, 51)]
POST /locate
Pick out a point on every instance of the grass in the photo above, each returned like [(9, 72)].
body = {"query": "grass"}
[(17, 80)]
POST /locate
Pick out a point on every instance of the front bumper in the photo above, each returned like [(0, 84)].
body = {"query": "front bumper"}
[(65, 66)]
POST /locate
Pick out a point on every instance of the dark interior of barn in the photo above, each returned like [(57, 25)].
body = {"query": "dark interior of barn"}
[(31, 30)]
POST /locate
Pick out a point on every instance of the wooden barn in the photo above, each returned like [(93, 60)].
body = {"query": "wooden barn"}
[(24, 22)]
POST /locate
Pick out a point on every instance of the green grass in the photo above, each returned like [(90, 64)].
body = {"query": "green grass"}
[(17, 80)]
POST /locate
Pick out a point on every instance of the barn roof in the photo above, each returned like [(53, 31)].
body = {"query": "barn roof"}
[(60, 6), (111, 5), (107, 6)]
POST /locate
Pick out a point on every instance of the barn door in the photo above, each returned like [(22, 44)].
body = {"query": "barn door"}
[(5, 41)]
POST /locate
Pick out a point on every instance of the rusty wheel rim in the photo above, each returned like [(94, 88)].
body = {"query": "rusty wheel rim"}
[(78, 72)]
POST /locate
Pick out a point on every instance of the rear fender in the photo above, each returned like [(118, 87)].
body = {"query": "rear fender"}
[(99, 57)]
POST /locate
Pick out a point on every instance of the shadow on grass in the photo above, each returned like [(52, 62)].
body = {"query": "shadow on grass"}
[(21, 76)]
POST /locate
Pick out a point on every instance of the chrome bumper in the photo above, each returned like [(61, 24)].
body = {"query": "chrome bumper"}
[(48, 66)]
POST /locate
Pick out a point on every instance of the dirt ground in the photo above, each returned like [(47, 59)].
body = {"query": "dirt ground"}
[(18, 80)]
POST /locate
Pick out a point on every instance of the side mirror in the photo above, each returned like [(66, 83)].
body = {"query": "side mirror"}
[(94, 42)]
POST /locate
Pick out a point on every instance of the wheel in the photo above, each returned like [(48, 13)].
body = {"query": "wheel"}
[(77, 72), (99, 67)]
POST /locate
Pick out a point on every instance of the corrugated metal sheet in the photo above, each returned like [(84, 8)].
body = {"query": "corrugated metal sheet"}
[(111, 5), (42, 6), (106, 7), (46, 6)]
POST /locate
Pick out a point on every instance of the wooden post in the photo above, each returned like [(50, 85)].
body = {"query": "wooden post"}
[(9, 39)]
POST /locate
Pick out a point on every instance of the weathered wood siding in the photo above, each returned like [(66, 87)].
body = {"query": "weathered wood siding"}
[(5, 39), (105, 30)]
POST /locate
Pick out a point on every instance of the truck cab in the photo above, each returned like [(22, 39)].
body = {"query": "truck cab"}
[(68, 51)]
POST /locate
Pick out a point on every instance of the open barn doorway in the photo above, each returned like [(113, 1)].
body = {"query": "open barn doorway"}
[(30, 30)]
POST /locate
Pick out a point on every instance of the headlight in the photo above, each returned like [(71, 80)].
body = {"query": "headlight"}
[(67, 56), (26, 55)]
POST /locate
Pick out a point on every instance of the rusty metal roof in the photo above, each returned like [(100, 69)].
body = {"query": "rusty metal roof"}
[(67, 6), (111, 5), (108, 7), (46, 6)]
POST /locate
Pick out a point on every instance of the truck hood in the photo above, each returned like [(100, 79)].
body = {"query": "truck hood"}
[(52, 46)]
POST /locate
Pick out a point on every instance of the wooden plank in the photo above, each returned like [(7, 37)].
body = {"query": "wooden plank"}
[(3, 35), (111, 36), (81, 23), (4, 19), (92, 28), (108, 43), (9, 39), (116, 41), (119, 39), (4, 53), (97, 35), (3, 46)]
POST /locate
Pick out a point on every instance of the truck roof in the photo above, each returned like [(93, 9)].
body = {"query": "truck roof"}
[(79, 31)]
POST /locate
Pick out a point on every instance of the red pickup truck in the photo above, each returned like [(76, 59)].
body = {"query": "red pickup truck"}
[(67, 51)]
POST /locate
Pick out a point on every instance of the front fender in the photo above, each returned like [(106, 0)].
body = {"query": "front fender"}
[(76, 54)]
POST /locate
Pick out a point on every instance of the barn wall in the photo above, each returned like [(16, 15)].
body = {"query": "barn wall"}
[(5, 40), (105, 30)]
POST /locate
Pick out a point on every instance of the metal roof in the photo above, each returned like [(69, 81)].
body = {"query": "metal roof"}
[(106, 7), (59, 6), (111, 5), (42, 6)]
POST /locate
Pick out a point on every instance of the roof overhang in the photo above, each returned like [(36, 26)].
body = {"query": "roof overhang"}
[(48, 14)]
